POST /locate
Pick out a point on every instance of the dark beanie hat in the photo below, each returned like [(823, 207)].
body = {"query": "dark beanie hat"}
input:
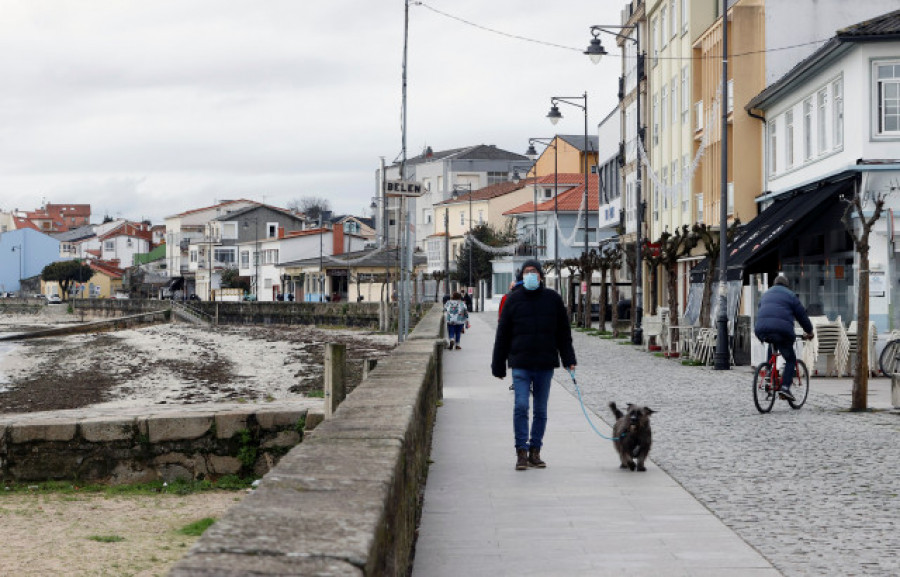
[(531, 262)]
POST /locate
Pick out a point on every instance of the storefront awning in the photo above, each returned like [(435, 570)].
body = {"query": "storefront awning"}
[(764, 233)]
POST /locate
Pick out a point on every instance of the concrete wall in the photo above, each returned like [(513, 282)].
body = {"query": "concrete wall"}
[(130, 449), (345, 501)]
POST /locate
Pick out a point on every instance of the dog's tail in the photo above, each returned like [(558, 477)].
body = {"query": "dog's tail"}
[(618, 414)]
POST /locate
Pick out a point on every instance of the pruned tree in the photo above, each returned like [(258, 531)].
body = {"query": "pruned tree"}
[(587, 263), (231, 279), (860, 234), (609, 262), (571, 265), (310, 206), (481, 258), (438, 276), (650, 254), (672, 248), (710, 238), (66, 272)]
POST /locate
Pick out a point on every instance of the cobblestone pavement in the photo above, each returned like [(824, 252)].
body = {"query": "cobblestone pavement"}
[(814, 490)]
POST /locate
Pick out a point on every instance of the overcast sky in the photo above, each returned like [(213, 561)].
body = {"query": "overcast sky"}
[(148, 108)]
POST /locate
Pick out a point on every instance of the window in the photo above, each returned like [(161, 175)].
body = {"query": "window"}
[(685, 13), (664, 105), (773, 148), (245, 259), (462, 218), (730, 89), (821, 100), (730, 198), (698, 116), (699, 201), (496, 177), (665, 183), (223, 255), (674, 97), (271, 230), (685, 186), (548, 193), (480, 216), (109, 245), (789, 139), (230, 230), (837, 112), (655, 119), (807, 129), (654, 38), (673, 16), (427, 216), (193, 256), (663, 27), (685, 97), (887, 78)]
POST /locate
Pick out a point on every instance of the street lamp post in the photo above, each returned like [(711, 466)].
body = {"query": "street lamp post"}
[(554, 115), (255, 222), (722, 362), (14, 249), (457, 189), (596, 51), (446, 250), (323, 214), (532, 154)]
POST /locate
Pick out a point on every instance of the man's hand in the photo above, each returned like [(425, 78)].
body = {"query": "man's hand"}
[(809, 336)]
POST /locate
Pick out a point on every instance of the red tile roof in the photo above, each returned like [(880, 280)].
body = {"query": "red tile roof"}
[(226, 203), (106, 268), (131, 229), (567, 201), (492, 191)]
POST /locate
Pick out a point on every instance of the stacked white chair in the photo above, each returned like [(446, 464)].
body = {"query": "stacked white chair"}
[(652, 328), (873, 337), (833, 344), (663, 339)]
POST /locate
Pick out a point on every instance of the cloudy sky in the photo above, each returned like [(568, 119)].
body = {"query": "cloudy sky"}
[(147, 108)]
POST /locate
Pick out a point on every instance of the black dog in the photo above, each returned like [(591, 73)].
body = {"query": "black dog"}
[(632, 436)]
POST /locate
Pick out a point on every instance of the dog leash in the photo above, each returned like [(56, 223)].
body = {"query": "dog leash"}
[(584, 410)]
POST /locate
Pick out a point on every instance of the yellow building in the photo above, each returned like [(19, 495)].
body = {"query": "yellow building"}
[(105, 283), (565, 154)]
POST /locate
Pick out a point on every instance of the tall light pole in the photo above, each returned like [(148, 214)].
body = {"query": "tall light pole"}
[(457, 189), (596, 51), (446, 250), (722, 362), (532, 154), (554, 115), (323, 214), (18, 248)]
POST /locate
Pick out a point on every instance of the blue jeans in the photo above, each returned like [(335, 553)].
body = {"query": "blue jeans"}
[(786, 348), (454, 332), (537, 384)]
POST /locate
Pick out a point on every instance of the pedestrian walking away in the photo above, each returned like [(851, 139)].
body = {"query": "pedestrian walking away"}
[(778, 308), (457, 317), (533, 338)]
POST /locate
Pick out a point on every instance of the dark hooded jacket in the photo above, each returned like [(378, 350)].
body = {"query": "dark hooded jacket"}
[(778, 307), (533, 332)]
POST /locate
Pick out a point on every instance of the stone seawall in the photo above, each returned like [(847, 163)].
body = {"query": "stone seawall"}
[(364, 315), (184, 442), (114, 324), (346, 500)]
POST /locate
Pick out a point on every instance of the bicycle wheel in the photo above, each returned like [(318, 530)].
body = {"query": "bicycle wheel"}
[(800, 388), (763, 395), (889, 361)]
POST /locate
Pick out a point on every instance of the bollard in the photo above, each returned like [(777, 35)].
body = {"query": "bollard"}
[(368, 366), (895, 390), (335, 391)]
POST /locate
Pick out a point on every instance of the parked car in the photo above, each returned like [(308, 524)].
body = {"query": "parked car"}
[(38, 296), (53, 300), (250, 298)]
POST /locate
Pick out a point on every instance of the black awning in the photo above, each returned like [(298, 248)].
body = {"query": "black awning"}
[(762, 235), (176, 284)]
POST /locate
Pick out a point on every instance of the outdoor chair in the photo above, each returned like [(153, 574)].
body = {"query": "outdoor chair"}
[(652, 329), (832, 344), (873, 339)]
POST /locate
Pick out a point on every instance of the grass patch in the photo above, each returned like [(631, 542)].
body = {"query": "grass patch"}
[(197, 528), (177, 487), (316, 394), (106, 538), (692, 363), (607, 336)]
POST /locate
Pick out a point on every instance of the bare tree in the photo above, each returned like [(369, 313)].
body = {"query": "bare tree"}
[(710, 239), (672, 248), (860, 236), (310, 206), (588, 263), (610, 259)]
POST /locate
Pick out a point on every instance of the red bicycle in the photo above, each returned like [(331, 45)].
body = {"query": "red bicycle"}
[(767, 383)]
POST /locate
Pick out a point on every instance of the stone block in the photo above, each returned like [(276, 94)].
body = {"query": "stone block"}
[(104, 430), (229, 423), (282, 439), (314, 419), (38, 430), (237, 565), (223, 465), (162, 428), (275, 419), (173, 466)]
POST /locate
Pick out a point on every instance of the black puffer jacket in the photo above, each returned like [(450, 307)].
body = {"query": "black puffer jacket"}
[(533, 333)]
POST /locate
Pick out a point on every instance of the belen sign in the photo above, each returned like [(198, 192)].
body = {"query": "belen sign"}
[(402, 188)]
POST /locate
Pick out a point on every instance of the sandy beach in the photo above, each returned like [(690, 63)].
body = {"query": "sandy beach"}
[(169, 364)]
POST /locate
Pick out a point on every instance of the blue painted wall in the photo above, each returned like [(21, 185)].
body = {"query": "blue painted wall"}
[(37, 251)]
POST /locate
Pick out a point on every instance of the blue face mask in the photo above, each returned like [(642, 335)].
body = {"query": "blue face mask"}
[(531, 281)]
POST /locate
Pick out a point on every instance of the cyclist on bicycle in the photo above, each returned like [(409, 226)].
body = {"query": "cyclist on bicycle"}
[(778, 308)]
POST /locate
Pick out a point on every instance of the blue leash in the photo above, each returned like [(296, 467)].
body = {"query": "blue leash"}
[(583, 410)]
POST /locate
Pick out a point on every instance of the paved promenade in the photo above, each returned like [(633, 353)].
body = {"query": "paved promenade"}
[(580, 516)]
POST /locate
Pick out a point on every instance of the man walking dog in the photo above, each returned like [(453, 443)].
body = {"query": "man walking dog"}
[(532, 335)]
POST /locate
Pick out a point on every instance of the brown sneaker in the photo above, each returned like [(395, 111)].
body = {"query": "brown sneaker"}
[(534, 459), (521, 459)]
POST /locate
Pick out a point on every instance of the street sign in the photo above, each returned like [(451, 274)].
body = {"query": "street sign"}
[(403, 188), (471, 290)]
